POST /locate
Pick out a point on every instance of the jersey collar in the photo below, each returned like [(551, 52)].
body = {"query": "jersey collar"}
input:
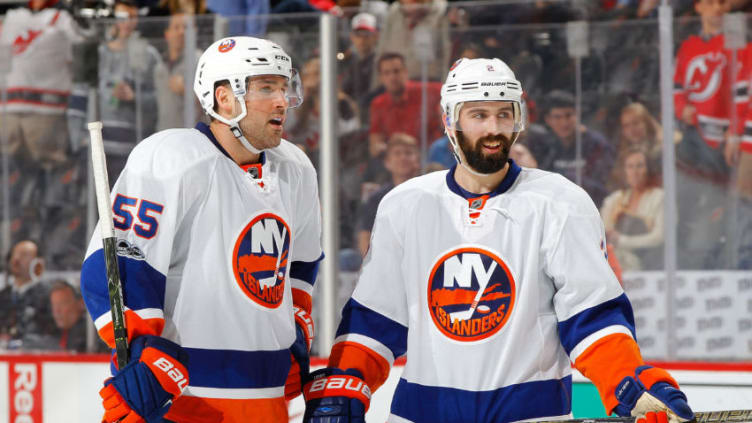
[(204, 129), (506, 183)]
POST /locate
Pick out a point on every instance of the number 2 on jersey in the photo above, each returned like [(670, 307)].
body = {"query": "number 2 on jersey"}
[(123, 219)]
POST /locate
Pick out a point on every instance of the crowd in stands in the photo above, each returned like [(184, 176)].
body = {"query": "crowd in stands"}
[(393, 57), (39, 312)]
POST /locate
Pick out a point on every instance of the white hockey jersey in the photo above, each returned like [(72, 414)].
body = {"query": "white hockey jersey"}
[(41, 43), (208, 255), (489, 296)]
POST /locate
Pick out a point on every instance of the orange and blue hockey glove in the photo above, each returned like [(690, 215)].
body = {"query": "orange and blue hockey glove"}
[(336, 396), (652, 396), (144, 389), (299, 351)]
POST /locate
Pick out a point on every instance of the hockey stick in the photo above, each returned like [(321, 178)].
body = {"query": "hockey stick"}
[(109, 243), (725, 416)]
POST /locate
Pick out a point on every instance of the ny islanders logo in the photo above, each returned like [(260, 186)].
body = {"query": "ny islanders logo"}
[(226, 45), (259, 259), (470, 294)]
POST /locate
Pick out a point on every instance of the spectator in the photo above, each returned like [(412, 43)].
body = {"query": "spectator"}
[(67, 308), (33, 126), (402, 160), (638, 128), (705, 106), (441, 153), (418, 29), (302, 123), (521, 155), (633, 216), (246, 17), (740, 155), (399, 108), (471, 51), (358, 77), (25, 317), (189, 7), (39, 82), (127, 96), (703, 99), (556, 148), (169, 76)]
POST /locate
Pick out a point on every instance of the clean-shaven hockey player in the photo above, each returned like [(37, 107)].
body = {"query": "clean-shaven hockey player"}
[(219, 243), (490, 278)]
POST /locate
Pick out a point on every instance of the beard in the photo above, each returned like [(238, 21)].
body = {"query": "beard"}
[(481, 162)]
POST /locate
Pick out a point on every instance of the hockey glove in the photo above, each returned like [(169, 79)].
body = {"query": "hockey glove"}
[(653, 397), (299, 352), (144, 389), (336, 396)]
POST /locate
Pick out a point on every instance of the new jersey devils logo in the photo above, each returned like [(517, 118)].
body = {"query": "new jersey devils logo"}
[(259, 259), (704, 76), (470, 294)]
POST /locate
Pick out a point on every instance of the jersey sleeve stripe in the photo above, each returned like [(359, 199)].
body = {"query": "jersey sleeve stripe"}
[(359, 319), (607, 361), (301, 285), (135, 324), (305, 271), (614, 312), (594, 337), (368, 343), (353, 355), (421, 403), (145, 314), (143, 286), (302, 299), (238, 369)]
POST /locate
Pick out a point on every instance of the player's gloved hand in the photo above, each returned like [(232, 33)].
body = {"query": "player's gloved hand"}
[(144, 389), (336, 396), (299, 351), (653, 397)]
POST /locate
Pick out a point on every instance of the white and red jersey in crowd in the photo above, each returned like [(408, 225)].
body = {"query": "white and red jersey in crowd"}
[(41, 44), (703, 79)]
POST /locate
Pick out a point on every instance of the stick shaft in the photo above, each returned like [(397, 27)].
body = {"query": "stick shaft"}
[(109, 243), (725, 416)]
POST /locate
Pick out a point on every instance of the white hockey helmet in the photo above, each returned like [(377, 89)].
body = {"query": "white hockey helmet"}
[(481, 80), (234, 59)]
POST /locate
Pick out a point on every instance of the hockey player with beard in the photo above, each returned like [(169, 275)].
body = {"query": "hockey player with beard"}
[(491, 278), (219, 233)]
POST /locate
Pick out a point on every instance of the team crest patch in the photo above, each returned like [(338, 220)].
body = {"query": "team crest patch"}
[(226, 45), (470, 294), (259, 259)]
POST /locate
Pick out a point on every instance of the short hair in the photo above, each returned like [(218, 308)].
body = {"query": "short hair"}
[(40, 249), (129, 3), (557, 99), (60, 284), (389, 55), (400, 138)]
